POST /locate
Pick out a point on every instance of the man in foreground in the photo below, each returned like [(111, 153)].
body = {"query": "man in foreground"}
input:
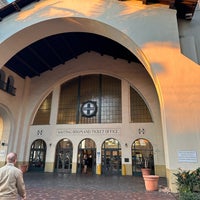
[(11, 180)]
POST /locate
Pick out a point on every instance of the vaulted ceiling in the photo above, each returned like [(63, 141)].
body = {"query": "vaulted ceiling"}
[(54, 50)]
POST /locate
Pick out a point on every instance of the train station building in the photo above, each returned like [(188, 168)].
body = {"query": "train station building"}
[(114, 85)]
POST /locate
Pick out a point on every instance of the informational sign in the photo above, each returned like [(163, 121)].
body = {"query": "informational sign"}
[(2, 153), (187, 156), (108, 131), (98, 157)]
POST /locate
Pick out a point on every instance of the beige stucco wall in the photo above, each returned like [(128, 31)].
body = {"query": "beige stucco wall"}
[(149, 31)]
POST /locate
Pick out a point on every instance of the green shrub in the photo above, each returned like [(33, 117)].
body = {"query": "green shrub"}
[(188, 184), (189, 196)]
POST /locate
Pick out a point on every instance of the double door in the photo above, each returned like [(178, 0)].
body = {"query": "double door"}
[(111, 162), (37, 156), (87, 158), (64, 161)]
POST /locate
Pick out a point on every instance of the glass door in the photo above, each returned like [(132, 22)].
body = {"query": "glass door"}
[(37, 156), (142, 156), (111, 157), (86, 161), (64, 152)]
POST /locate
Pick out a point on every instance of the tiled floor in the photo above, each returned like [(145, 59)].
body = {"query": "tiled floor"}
[(43, 186)]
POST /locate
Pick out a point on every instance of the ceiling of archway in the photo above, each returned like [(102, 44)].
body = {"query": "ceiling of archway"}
[(54, 50)]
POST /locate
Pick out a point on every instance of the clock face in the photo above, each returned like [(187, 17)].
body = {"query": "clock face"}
[(89, 109)]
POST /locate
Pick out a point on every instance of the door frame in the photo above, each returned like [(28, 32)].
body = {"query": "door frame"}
[(37, 156), (142, 156), (63, 158), (89, 151), (113, 166)]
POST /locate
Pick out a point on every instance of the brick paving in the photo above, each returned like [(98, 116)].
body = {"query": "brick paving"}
[(52, 186)]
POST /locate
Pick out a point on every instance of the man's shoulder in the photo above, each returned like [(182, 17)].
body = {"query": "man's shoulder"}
[(16, 169), (3, 168), (10, 167)]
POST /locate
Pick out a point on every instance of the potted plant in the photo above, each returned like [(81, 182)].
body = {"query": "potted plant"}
[(151, 182), (146, 170), (188, 184)]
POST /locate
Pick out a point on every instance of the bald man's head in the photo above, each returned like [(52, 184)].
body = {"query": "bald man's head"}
[(11, 157)]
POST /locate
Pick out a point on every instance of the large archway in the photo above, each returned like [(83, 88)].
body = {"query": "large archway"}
[(57, 26)]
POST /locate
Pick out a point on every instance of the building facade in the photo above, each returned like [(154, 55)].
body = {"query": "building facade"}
[(117, 114)]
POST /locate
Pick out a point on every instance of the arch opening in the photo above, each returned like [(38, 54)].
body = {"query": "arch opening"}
[(63, 159), (142, 156), (86, 159), (111, 157), (37, 156)]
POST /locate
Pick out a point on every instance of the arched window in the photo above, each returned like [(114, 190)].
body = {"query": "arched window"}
[(139, 109), (43, 114), (90, 99), (10, 85), (2, 80)]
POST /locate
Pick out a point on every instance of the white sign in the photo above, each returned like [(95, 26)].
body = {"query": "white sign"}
[(88, 131), (98, 157), (187, 156), (2, 153)]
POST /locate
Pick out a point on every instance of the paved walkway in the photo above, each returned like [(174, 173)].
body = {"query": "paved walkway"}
[(51, 186)]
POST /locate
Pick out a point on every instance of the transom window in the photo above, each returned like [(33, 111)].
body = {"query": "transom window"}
[(93, 99), (104, 91), (139, 110), (43, 113)]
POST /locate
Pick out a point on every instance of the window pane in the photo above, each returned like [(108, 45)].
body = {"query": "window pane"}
[(105, 91), (111, 100), (43, 113), (89, 90), (68, 103), (139, 109)]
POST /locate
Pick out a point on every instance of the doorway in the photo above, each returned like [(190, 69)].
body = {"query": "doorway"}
[(111, 157), (142, 156), (86, 157), (64, 152), (37, 156)]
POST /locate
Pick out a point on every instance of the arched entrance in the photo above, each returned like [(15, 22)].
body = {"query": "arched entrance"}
[(63, 160), (111, 157), (37, 156), (6, 139), (142, 156), (86, 157)]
